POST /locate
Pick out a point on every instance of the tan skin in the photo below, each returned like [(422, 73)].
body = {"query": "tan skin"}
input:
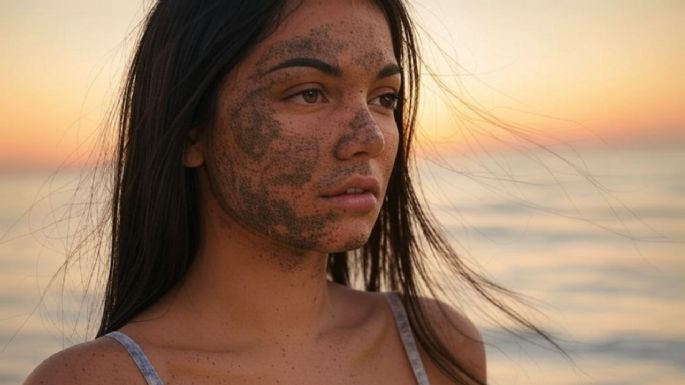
[(256, 306)]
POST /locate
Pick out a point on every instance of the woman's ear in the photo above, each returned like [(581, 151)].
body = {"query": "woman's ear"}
[(194, 153)]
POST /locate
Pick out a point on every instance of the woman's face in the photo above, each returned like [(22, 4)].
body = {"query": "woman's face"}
[(304, 138)]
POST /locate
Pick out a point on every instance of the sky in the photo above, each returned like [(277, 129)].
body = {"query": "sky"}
[(609, 69)]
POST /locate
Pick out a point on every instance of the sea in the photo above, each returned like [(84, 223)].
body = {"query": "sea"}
[(592, 238)]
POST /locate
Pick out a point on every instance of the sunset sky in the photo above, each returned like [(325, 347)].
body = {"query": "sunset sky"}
[(613, 68)]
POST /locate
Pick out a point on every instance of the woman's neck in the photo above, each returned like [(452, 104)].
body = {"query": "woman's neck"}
[(240, 281)]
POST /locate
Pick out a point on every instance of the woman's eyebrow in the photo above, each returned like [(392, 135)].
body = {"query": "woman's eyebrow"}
[(329, 69), (320, 65), (389, 70)]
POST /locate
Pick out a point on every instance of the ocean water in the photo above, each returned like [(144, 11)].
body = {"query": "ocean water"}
[(595, 240)]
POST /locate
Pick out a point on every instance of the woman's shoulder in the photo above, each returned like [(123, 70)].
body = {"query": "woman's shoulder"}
[(459, 335), (454, 328), (101, 361), (452, 322)]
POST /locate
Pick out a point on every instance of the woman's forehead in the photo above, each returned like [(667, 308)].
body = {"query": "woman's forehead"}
[(330, 30)]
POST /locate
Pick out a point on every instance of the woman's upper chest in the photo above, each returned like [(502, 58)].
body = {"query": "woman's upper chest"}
[(370, 354)]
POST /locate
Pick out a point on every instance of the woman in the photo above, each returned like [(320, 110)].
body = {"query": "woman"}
[(262, 171)]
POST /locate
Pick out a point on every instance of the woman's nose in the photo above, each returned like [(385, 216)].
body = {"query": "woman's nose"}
[(361, 136)]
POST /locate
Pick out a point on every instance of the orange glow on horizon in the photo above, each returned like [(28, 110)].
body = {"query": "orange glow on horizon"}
[(527, 64)]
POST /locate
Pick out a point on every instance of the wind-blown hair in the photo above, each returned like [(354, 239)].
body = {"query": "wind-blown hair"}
[(187, 48)]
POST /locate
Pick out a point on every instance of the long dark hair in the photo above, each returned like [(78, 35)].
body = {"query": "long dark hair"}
[(186, 49)]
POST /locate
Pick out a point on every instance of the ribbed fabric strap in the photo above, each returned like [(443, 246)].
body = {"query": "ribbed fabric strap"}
[(141, 360), (407, 338)]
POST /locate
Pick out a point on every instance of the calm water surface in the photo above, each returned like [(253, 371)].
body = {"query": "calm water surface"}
[(603, 262)]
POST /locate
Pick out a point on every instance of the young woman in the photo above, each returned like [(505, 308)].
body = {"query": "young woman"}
[(262, 174)]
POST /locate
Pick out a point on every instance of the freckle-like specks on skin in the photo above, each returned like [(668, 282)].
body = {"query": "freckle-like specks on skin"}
[(316, 43), (362, 129), (257, 128), (279, 158), (343, 171), (293, 165), (372, 59), (290, 165)]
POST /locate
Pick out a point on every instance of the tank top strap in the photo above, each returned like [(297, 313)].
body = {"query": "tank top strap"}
[(407, 337), (141, 360)]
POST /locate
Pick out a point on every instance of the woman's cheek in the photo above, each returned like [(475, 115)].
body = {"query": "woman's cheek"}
[(252, 125)]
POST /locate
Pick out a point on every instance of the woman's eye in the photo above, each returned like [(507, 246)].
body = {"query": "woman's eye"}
[(388, 101), (312, 96)]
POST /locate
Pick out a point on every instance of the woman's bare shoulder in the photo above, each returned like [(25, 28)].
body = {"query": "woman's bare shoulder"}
[(460, 336), (101, 361)]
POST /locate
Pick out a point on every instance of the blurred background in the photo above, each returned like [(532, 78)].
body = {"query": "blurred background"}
[(551, 147)]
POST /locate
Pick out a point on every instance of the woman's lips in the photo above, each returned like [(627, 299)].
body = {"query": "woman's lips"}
[(357, 194), (359, 202)]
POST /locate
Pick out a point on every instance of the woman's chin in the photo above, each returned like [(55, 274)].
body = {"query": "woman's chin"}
[(347, 240), (335, 240)]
